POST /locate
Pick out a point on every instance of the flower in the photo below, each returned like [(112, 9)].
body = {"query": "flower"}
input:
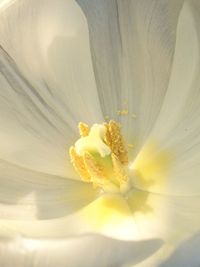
[(127, 73)]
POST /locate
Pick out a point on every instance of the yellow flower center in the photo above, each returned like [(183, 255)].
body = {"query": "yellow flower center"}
[(100, 157)]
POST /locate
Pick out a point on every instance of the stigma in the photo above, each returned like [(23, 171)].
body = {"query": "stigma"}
[(100, 156)]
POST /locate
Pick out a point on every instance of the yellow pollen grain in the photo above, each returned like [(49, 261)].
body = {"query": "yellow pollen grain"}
[(115, 141), (106, 117), (130, 146), (133, 116), (123, 112), (118, 169), (83, 129)]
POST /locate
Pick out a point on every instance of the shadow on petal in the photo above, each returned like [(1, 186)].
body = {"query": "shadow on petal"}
[(26, 194), (186, 254)]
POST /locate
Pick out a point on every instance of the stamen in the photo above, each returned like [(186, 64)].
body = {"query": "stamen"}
[(79, 165), (98, 174), (115, 141), (94, 169), (99, 156), (118, 169)]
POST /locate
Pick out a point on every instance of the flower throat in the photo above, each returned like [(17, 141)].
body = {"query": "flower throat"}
[(100, 156)]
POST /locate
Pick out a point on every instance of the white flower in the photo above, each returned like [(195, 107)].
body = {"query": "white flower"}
[(64, 62)]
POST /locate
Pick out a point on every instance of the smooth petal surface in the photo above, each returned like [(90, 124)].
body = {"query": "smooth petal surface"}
[(85, 251), (47, 83), (141, 216), (187, 254), (132, 46), (29, 195), (177, 129)]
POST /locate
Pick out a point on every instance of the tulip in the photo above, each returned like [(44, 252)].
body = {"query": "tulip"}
[(123, 189)]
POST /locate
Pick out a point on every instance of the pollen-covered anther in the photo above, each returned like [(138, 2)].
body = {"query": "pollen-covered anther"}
[(83, 129), (79, 165), (92, 166), (99, 156), (118, 169), (115, 141), (94, 169)]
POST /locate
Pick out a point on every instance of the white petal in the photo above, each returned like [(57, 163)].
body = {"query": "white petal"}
[(144, 216), (169, 218), (175, 219), (178, 126), (187, 254), (133, 44), (85, 251), (12, 253), (47, 83), (30, 195)]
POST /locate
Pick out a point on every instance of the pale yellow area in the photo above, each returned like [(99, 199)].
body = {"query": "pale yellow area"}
[(108, 210), (137, 216), (125, 207), (139, 202), (152, 166)]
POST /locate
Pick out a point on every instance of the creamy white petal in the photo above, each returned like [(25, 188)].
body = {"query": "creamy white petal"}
[(30, 195), (47, 83), (139, 217), (177, 129), (12, 253), (167, 217), (183, 248), (85, 251), (132, 44), (187, 254), (171, 219)]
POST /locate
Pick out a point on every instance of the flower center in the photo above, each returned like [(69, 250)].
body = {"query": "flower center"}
[(100, 156)]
